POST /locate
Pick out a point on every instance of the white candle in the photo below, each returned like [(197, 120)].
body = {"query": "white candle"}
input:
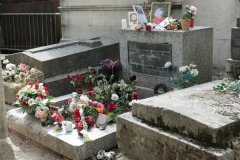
[(68, 126), (124, 23)]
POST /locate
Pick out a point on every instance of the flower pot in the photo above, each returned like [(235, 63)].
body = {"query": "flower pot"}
[(191, 22), (185, 24)]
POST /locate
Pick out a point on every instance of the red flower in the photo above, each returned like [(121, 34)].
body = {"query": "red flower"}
[(135, 95), (77, 116), (90, 121), (79, 76), (74, 79), (36, 85), (91, 94), (69, 77), (25, 103), (39, 95), (30, 83), (57, 117), (148, 28), (46, 88), (111, 107), (69, 101), (79, 126)]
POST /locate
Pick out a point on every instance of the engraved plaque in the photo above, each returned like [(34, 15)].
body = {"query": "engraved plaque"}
[(149, 58)]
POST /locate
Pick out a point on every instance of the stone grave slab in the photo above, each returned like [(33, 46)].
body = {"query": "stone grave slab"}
[(198, 112), (66, 57), (67, 144), (142, 141), (10, 93)]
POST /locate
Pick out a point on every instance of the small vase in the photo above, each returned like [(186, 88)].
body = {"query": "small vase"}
[(191, 22), (185, 24), (78, 90)]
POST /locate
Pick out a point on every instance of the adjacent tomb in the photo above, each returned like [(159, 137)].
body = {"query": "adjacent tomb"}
[(193, 123), (144, 54)]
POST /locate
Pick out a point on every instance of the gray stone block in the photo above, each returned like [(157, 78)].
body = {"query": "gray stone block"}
[(196, 112), (238, 22), (235, 43), (66, 57), (142, 141), (10, 93), (67, 144), (194, 46)]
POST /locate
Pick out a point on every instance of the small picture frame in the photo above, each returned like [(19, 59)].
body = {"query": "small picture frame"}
[(160, 11), (132, 19), (142, 19)]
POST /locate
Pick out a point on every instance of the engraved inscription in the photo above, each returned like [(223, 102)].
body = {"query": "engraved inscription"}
[(148, 58)]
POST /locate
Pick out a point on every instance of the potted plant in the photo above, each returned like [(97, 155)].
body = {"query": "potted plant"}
[(188, 14)]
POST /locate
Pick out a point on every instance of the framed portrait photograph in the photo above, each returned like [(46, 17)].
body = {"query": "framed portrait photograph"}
[(132, 19), (142, 19), (160, 11)]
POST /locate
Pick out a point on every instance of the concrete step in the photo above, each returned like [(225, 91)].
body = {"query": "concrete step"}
[(197, 112), (70, 145), (66, 57), (142, 141)]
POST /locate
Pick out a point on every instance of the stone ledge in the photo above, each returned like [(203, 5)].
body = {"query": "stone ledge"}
[(70, 144), (196, 112), (144, 142)]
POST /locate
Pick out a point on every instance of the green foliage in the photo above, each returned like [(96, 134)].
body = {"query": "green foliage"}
[(90, 111)]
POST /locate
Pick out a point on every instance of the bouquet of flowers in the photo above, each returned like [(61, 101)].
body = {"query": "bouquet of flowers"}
[(21, 74), (84, 81), (189, 12), (188, 76), (33, 97)]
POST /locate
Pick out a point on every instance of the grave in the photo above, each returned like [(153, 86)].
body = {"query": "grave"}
[(70, 144), (233, 66), (193, 123), (144, 54), (58, 60)]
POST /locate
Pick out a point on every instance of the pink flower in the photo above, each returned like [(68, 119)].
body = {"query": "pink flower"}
[(100, 105), (41, 114), (193, 10), (79, 126), (57, 117), (23, 67)]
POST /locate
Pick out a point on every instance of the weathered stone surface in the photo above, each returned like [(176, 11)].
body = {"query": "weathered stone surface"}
[(66, 57), (143, 142), (235, 43), (233, 67), (198, 112), (10, 93), (67, 144), (6, 151), (194, 46)]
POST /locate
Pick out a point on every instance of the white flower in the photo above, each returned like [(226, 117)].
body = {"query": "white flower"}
[(6, 61), (45, 101), (192, 65), (114, 97), (10, 66), (194, 72), (167, 64), (43, 91), (183, 69), (31, 102), (84, 99)]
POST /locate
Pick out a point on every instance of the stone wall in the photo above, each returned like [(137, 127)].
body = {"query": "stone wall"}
[(222, 16), (83, 19)]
